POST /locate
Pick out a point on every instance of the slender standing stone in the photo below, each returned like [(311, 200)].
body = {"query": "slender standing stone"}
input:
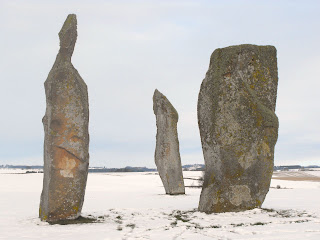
[(167, 156), (238, 127), (66, 142)]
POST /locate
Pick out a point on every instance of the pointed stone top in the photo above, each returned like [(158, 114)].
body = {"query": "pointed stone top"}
[(157, 94), (68, 36), (161, 101)]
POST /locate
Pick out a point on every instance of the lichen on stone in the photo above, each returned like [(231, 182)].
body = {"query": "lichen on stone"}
[(238, 125), (167, 155), (66, 144)]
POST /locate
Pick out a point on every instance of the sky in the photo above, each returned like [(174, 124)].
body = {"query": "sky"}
[(127, 49)]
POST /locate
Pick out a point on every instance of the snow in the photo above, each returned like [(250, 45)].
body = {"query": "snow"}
[(134, 206), (17, 170)]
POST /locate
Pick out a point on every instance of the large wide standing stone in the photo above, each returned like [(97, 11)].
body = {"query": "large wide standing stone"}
[(167, 155), (66, 142), (238, 127)]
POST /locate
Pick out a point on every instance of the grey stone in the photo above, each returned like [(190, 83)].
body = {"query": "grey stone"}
[(167, 155), (238, 127), (66, 141)]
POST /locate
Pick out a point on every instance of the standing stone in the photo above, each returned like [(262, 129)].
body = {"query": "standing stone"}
[(167, 156), (238, 127), (66, 142)]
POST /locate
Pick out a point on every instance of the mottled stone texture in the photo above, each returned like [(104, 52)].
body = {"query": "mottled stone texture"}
[(238, 127), (167, 155), (66, 142)]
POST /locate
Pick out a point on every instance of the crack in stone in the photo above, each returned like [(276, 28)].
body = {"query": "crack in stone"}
[(69, 152)]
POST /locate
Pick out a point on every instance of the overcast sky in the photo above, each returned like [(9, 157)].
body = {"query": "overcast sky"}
[(126, 49)]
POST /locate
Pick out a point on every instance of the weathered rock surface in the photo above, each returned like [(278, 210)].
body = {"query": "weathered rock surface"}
[(238, 127), (66, 142), (167, 155)]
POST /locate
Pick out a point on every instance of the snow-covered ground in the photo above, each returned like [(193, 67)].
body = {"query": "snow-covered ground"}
[(134, 206)]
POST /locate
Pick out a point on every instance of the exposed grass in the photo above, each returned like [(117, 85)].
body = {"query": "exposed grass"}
[(198, 226), (131, 225), (215, 226), (286, 213), (79, 220), (237, 225), (302, 221), (181, 218), (173, 224), (259, 224), (268, 209)]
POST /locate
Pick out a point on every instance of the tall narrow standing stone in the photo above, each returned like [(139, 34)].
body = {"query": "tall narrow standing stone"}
[(238, 127), (167, 156), (66, 142)]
